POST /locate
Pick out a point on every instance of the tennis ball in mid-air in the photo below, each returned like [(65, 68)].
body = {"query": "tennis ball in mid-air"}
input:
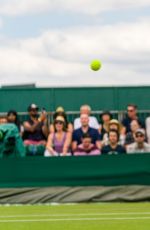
[(95, 65)]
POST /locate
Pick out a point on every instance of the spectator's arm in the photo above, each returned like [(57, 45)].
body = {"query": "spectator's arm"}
[(123, 130), (96, 125), (31, 128), (74, 145), (49, 145), (130, 149), (70, 128), (45, 129), (100, 128), (98, 139), (77, 123), (51, 128), (67, 143), (98, 144)]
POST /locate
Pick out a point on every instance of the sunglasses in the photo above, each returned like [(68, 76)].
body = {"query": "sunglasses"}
[(33, 110), (139, 135), (129, 110), (59, 122)]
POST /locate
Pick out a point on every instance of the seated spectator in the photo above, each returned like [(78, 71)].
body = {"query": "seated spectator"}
[(58, 142), (85, 128), (139, 146), (115, 125), (86, 147), (130, 136), (3, 119), (60, 112), (93, 123), (105, 117), (113, 147), (11, 144), (35, 128), (12, 117), (131, 115), (148, 129)]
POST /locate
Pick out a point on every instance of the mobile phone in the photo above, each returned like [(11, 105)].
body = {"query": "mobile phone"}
[(43, 110)]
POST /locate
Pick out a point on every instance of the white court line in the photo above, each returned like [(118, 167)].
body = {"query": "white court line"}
[(74, 214), (75, 219)]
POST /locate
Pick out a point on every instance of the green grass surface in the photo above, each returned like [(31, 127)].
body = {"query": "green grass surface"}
[(99, 216)]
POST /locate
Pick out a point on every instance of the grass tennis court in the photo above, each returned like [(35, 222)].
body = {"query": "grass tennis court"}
[(99, 216)]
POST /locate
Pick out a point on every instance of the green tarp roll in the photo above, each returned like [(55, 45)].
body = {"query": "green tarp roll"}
[(124, 193)]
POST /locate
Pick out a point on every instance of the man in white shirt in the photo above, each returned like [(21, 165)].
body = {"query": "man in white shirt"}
[(93, 122), (139, 146)]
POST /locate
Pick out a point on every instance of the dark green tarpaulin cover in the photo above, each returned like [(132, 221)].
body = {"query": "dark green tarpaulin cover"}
[(102, 170)]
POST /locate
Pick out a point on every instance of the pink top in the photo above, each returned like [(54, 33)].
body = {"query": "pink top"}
[(59, 144), (81, 152)]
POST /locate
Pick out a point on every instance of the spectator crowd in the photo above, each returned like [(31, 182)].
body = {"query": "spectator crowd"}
[(86, 135)]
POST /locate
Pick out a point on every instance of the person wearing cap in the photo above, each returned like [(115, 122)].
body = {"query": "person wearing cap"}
[(58, 142), (115, 125), (93, 122), (35, 128), (139, 146)]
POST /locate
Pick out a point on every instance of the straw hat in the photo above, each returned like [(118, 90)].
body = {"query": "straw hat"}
[(116, 122), (60, 118), (60, 109)]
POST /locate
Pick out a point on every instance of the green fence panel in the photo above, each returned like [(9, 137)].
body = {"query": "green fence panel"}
[(99, 98), (135, 95), (20, 99), (73, 98)]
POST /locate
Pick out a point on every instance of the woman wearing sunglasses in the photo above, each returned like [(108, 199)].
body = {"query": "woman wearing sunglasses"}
[(59, 141)]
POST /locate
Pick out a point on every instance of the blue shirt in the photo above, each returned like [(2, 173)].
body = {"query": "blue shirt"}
[(78, 133)]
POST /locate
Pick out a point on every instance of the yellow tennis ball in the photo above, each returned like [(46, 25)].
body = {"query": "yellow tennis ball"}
[(95, 65)]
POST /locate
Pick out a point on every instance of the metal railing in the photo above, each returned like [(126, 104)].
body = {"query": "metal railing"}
[(71, 115)]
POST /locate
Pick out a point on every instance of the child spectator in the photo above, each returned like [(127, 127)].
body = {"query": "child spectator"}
[(86, 147)]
